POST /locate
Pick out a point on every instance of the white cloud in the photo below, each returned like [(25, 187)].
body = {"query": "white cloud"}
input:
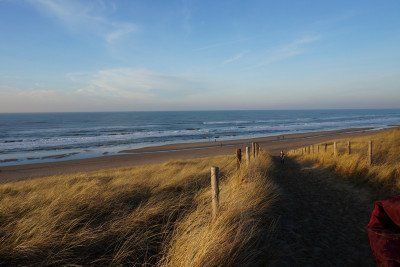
[(139, 84), (121, 30), (235, 58), (108, 89), (219, 44), (286, 51), (88, 16)]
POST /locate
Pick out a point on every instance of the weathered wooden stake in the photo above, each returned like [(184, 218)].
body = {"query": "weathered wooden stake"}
[(335, 149), (247, 155), (238, 158), (215, 190), (253, 149), (318, 149), (348, 147), (326, 147), (370, 158)]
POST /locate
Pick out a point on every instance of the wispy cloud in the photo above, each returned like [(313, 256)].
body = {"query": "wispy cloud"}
[(286, 51), (139, 84), (107, 89), (235, 57), (223, 43), (86, 16), (186, 16)]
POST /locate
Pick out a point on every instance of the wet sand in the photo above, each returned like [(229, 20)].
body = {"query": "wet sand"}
[(157, 154)]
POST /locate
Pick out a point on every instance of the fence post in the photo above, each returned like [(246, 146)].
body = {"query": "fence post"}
[(335, 149), (215, 190), (247, 155), (348, 147), (318, 149), (253, 149), (370, 160), (238, 158), (326, 147)]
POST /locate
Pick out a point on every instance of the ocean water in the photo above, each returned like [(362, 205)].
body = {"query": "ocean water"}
[(31, 138)]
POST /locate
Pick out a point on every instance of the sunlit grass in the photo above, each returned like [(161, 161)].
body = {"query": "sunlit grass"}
[(155, 214), (383, 174)]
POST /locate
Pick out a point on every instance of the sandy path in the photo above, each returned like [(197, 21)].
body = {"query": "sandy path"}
[(323, 219)]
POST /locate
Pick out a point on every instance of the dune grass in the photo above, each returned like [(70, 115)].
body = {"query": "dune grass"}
[(147, 215), (383, 175)]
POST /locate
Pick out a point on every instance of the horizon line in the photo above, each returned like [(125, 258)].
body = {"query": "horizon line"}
[(196, 110)]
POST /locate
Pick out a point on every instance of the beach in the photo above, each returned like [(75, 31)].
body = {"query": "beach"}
[(159, 154)]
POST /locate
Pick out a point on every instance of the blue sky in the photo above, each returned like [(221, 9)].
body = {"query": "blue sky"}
[(194, 55)]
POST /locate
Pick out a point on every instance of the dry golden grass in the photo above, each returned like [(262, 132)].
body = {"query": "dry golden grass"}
[(155, 214), (384, 174), (241, 233)]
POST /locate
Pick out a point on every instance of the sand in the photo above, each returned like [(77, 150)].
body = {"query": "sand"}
[(158, 154)]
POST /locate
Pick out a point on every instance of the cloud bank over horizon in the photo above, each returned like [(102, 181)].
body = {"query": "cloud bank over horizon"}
[(191, 55)]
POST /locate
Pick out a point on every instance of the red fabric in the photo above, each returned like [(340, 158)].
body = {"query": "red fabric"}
[(384, 232)]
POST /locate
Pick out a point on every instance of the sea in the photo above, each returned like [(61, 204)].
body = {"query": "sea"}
[(46, 137)]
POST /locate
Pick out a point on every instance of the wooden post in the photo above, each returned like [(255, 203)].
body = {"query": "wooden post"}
[(312, 146), (318, 149), (326, 147), (309, 150), (247, 155), (370, 159), (335, 149), (215, 190), (238, 158), (253, 149), (348, 147)]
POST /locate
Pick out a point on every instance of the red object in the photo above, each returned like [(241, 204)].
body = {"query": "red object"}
[(384, 232)]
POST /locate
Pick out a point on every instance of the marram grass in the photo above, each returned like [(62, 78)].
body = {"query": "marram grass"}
[(148, 215), (383, 174)]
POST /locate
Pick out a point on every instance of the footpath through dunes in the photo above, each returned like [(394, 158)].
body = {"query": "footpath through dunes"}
[(322, 218)]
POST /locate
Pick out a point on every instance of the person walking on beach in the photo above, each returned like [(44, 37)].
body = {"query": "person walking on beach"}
[(282, 156)]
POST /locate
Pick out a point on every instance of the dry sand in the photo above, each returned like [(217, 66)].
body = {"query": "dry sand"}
[(149, 155)]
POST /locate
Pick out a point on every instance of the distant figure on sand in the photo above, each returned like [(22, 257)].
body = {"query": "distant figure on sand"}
[(282, 157)]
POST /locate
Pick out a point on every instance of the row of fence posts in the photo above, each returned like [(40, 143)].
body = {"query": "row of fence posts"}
[(251, 152), (310, 150)]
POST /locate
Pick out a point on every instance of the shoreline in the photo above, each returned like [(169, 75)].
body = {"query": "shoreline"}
[(163, 153)]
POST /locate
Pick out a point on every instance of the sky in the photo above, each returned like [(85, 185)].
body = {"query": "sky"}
[(71, 55)]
